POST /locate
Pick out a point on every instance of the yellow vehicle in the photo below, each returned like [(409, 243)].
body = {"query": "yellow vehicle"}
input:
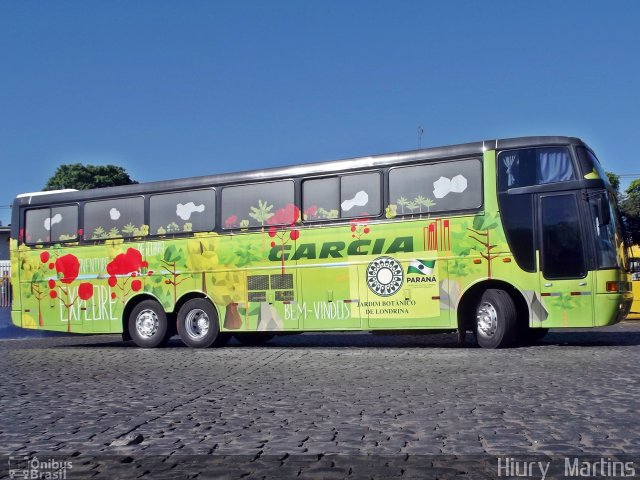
[(634, 266)]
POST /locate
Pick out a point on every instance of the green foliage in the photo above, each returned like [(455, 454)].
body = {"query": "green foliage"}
[(172, 254), (402, 201), (328, 214), (484, 222), (262, 212), (84, 177), (630, 208), (614, 180), (99, 233), (129, 229), (173, 228)]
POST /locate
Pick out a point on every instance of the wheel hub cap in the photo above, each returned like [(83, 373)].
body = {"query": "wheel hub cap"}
[(197, 323), (147, 323), (487, 318)]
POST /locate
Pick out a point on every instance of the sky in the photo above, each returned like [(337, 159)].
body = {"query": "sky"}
[(171, 89)]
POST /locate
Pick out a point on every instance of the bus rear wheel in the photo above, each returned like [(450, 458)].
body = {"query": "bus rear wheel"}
[(198, 324), (148, 325), (496, 319)]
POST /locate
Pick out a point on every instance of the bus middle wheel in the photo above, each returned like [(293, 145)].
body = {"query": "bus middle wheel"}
[(198, 324)]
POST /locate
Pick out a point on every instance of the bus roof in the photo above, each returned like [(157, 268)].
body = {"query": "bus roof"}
[(309, 169)]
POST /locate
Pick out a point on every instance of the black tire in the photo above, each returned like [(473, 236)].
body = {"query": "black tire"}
[(148, 325), (253, 338), (496, 320), (198, 324)]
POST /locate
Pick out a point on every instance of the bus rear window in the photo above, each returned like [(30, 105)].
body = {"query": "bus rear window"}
[(50, 225), (534, 166)]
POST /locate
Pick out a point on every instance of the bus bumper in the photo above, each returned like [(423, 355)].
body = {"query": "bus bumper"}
[(611, 308)]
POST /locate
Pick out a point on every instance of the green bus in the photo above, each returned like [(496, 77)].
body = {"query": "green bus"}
[(503, 238)]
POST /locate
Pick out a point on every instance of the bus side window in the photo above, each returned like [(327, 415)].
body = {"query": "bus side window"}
[(114, 218), (534, 166), (182, 212), (56, 224), (258, 205), (360, 195), (321, 199)]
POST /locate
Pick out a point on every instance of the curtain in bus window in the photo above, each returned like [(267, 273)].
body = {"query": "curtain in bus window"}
[(554, 166), (509, 161)]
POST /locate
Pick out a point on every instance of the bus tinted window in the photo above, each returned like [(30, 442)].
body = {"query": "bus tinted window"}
[(321, 198), (64, 223), (258, 205), (436, 187), (517, 218), (562, 247), (360, 195), (534, 166), (57, 224), (35, 223), (590, 165), (192, 211), (114, 218)]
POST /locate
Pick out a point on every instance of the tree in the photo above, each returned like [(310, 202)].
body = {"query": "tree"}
[(614, 180), (84, 177), (630, 208)]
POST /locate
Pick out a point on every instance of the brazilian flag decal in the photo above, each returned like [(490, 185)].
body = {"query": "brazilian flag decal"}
[(422, 267)]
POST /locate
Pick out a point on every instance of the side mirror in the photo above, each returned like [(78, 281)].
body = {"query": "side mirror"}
[(604, 212)]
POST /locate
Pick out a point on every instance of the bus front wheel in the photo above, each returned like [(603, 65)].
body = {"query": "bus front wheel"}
[(496, 319), (148, 325), (198, 324)]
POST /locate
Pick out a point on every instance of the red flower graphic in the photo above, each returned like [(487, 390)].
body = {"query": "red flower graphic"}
[(52, 283), (136, 285), (311, 212), (112, 281), (230, 222), (85, 291), (69, 266), (125, 263), (44, 257), (288, 215), (53, 294)]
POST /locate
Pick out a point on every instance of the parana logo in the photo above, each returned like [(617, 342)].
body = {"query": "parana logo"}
[(384, 276), (422, 270)]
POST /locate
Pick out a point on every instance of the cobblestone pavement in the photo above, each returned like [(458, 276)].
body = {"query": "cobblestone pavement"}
[(318, 405)]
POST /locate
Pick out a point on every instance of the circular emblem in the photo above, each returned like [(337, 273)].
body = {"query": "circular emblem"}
[(384, 276)]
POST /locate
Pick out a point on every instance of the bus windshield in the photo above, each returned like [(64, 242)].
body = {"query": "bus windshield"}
[(604, 227)]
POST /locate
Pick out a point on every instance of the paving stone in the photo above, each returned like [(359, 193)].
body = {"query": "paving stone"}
[(318, 403)]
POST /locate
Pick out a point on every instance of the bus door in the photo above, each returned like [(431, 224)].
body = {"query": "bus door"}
[(566, 284)]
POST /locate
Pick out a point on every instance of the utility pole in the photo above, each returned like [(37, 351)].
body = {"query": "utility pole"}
[(420, 133)]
